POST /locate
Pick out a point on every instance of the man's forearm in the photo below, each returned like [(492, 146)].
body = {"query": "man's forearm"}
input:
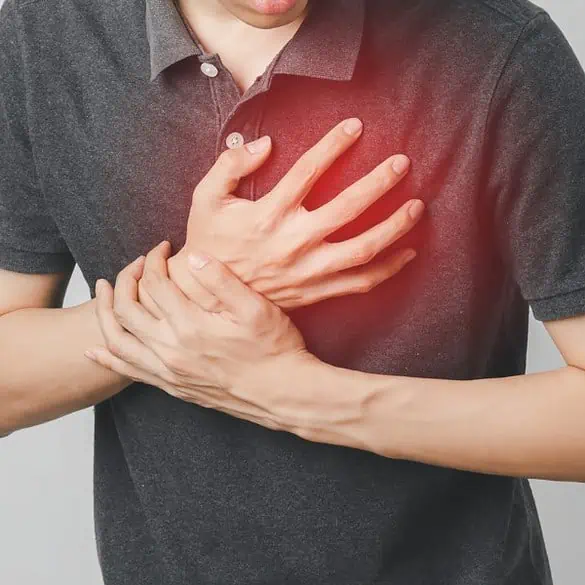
[(260, 370), (527, 426), (45, 374)]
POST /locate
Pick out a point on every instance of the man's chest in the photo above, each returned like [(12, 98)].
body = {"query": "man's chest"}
[(128, 156), (119, 165)]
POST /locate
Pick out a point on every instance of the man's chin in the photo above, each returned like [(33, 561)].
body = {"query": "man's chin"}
[(273, 7), (267, 13)]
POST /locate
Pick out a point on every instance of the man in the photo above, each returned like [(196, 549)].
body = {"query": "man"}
[(111, 121)]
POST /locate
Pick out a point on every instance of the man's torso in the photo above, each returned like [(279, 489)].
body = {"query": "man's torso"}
[(190, 495)]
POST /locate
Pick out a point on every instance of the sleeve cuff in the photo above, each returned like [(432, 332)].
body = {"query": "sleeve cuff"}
[(34, 262), (562, 306)]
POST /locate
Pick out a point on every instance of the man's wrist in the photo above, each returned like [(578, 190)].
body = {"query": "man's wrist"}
[(88, 311), (312, 399)]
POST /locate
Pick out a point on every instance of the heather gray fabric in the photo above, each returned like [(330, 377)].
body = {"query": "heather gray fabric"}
[(106, 126)]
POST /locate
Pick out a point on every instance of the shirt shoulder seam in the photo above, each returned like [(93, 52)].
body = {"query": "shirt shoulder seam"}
[(509, 16), (542, 14), (24, 3)]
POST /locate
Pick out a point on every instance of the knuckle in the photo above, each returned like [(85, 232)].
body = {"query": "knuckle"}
[(365, 253), (297, 295), (119, 314), (218, 277), (364, 284), (346, 213), (170, 377), (306, 169), (183, 332), (257, 314), (142, 289), (125, 272), (304, 299), (134, 375), (229, 162), (399, 224), (267, 222), (214, 306), (300, 277), (298, 240), (304, 433), (114, 348), (151, 259), (150, 279), (271, 424), (382, 180), (120, 278), (153, 255), (176, 363)]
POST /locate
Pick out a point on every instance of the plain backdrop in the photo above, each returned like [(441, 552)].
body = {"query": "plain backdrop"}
[(46, 524)]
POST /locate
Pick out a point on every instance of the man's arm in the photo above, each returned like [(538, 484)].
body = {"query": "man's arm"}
[(44, 372), (529, 426), (250, 362), (61, 380)]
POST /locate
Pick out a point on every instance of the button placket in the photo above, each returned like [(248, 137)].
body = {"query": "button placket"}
[(247, 132), (242, 126)]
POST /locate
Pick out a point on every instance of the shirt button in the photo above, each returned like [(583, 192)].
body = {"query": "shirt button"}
[(209, 69), (234, 140)]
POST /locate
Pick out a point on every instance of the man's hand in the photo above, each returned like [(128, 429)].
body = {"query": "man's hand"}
[(275, 245), (202, 357), (250, 362)]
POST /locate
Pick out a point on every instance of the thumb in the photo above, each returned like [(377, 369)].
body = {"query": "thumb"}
[(233, 164)]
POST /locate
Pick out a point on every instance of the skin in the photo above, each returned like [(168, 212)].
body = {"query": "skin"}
[(251, 12), (64, 381), (31, 317), (510, 426), (280, 249), (249, 361), (245, 38)]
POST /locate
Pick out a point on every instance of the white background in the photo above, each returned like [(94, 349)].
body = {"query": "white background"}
[(46, 524)]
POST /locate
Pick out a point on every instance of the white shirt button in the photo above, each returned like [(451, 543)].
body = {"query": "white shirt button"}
[(234, 140), (209, 69)]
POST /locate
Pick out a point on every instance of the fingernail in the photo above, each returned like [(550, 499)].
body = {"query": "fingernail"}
[(89, 354), (258, 146), (416, 208), (408, 256), (353, 126), (98, 285), (400, 164), (197, 261)]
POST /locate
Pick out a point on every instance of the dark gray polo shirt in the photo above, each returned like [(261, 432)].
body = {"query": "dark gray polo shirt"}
[(107, 123)]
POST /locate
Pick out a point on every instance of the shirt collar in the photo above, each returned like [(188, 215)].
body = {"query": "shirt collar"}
[(326, 45), (168, 37)]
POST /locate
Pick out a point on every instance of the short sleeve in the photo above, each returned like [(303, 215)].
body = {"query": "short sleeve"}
[(535, 161), (29, 239)]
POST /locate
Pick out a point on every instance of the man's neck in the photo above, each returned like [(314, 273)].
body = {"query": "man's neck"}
[(244, 49)]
